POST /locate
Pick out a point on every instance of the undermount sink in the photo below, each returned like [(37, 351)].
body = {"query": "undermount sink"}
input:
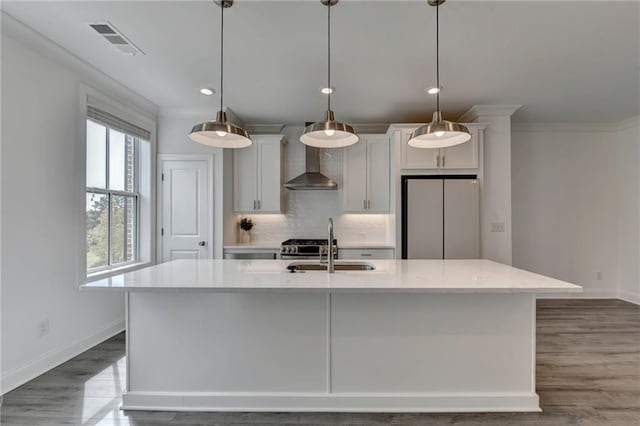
[(339, 266)]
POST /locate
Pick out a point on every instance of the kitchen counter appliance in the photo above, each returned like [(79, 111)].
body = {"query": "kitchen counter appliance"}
[(307, 248)]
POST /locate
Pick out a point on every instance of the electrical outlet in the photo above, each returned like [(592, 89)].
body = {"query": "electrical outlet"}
[(497, 226), (599, 276), (43, 328)]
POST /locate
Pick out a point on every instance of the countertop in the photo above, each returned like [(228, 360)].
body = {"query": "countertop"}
[(390, 276)]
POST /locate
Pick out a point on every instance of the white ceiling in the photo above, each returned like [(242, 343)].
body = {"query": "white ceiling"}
[(563, 61)]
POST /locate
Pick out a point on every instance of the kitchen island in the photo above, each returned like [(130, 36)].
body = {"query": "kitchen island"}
[(409, 336)]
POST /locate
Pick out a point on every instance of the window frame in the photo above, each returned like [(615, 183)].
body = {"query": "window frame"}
[(145, 170)]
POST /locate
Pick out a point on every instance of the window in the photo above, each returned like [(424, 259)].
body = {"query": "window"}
[(113, 198)]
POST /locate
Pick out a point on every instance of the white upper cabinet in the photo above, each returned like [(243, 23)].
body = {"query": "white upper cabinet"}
[(257, 176), (367, 175), (416, 158), (463, 156)]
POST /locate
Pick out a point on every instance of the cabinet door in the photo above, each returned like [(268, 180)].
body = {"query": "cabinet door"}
[(417, 158), (355, 177), (270, 176), (245, 192), (463, 156), (378, 171)]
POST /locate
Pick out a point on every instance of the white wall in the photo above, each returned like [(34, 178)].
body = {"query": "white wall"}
[(628, 181), (495, 179), (564, 190), (41, 201)]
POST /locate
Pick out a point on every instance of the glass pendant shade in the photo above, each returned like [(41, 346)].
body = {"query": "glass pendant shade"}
[(439, 134), (220, 133), (329, 133)]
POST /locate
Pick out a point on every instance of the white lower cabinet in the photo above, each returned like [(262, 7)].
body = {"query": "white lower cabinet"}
[(367, 175), (251, 253), (377, 253), (257, 176), (463, 156)]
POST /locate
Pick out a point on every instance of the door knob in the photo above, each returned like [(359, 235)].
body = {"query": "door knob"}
[(202, 243)]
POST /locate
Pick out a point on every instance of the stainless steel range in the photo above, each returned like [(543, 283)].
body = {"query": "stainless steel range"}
[(306, 248)]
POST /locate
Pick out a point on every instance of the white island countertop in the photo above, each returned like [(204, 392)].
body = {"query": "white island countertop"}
[(390, 276)]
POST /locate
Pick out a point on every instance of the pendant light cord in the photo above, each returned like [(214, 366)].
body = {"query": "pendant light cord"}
[(329, 54), (221, 55), (438, 56)]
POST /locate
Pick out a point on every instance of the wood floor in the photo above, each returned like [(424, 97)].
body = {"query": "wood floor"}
[(588, 374)]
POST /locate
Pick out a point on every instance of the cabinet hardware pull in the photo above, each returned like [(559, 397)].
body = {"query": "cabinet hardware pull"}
[(364, 202), (438, 161), (259, 204), (254, 205), (202, 243), (443, 158), (365, 254)]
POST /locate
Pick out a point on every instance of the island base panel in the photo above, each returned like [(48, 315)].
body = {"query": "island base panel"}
[(331, 352)]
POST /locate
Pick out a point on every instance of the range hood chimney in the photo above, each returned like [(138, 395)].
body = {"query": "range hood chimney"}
[(311, 178)]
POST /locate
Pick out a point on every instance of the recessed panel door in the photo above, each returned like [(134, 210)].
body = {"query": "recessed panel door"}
[(185, 210), (378, 185)]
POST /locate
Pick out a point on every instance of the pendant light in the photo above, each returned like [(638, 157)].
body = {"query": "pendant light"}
[(220, 133), (439, 133), (329, 133)]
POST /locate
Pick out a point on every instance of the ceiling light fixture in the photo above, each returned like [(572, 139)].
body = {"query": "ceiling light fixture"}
[(439, 133), (327, 90), (220, 133), (207, 91), (329, 133), (433, 90)]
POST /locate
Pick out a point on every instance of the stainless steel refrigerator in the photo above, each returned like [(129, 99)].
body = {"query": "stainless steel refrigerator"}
[(440, 217)]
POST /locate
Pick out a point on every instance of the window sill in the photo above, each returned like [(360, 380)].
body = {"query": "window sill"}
[(94, 276)]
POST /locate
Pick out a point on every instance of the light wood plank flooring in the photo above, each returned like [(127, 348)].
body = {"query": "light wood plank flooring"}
[(588, 374)]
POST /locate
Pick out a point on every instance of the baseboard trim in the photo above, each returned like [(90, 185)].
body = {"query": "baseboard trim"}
[(334, 402), (629, 297), (587, 293), (40, 365)]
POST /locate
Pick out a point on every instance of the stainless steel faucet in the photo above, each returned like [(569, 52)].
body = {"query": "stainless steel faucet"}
[(330, 260)]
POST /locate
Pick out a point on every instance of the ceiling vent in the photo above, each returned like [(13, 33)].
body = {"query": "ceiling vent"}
[(116, 38)]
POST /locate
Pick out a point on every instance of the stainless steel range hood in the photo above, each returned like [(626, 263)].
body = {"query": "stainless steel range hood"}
[(311, 178)]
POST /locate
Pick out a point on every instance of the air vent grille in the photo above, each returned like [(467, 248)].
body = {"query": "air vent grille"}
[(116, 38)]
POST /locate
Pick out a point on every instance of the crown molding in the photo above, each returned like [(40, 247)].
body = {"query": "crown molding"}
[(478, 111), (264, 129), (371, 128)]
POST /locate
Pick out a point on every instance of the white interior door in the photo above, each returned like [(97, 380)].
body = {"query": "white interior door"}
[(186, 216)]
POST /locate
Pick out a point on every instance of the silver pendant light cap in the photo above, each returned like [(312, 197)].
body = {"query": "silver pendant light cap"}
[(439, 134), (329, 133), (220, 133)]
